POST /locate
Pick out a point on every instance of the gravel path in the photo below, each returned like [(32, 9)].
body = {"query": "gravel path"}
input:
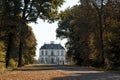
[(87, 74), (52, 72)]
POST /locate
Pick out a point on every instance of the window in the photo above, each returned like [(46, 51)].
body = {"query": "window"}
[(62, 53), (42, 53), (58, 53), (46, 53), (52, 53)]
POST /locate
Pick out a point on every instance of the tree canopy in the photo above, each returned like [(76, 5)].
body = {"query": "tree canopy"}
[(90, 28), (14, 18)]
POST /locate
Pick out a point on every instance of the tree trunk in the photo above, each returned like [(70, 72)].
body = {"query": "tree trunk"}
[(22, 33), (101, 37), (22, 27), (100, 14), (7, 58), (20, 52), (100, 20)]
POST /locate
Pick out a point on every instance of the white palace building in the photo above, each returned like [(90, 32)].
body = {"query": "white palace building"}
[(52, 54)]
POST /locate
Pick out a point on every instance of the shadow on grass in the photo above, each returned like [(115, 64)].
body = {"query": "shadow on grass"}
[(38, 68), (44, 65), (50, 67)]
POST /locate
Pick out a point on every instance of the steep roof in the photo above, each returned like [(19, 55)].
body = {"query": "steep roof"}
[(52, 46)]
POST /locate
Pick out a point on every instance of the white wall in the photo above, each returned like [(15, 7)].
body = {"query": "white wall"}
[(56, 55)]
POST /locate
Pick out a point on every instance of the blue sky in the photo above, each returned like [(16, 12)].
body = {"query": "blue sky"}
[(45, 32)]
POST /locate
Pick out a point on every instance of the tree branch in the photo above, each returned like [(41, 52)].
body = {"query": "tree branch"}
[(30, 9), (34, 19)]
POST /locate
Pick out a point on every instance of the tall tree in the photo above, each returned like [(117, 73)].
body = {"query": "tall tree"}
[(98, 4), (82, 31), (33, 9), (8, 25), (111, 34), (21, 12), (86, 26)]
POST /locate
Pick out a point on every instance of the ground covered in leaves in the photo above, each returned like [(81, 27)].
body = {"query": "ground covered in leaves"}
[(32, 75), (33, 72), (56, 72)]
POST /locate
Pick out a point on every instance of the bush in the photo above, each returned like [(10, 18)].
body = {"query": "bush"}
[(2, 67), (12, 63)]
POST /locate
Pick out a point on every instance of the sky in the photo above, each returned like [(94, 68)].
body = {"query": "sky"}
[(45, 32)]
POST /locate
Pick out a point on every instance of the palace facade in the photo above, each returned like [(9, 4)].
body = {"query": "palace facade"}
[(52, 54)]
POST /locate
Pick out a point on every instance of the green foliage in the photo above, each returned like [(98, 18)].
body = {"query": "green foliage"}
[(31, 11), (112, 48), (81, 26), (2, 51), (2, 56), (76, 25), (64, 31), (2, 67), (30, 47), (12, 63), (14, 16)]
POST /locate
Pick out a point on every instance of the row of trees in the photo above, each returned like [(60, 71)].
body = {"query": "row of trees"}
[(93, 32), (17, 41)]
